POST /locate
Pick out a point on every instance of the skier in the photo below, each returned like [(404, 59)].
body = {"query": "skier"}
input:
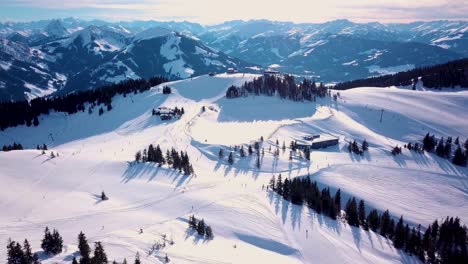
[(307, 233)]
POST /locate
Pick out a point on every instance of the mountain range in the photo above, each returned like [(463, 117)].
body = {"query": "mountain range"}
[(64, 55)]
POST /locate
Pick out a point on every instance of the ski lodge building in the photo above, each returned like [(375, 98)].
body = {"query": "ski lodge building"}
[(316, 142)]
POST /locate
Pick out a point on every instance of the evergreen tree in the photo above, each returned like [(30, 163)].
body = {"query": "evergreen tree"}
[(100, 256), (459, 157), (74, 261), (272, 185), (362, 214), (365, 145), (250, 150), (46, 244), (457, 141), (440, 148), (84, 249), (138, 156), (209, 232), (28, 255), (337, 200), (201, 228), (221, 153), (137, 258), (57, 243), (279, 185), (447, 150), (386, 228), (192, 222), (399, 235), (231, 159), (352, 212), (15, 253), (373, 220), (242, 152)]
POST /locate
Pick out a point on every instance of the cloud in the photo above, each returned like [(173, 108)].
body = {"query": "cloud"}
[(215, 11)]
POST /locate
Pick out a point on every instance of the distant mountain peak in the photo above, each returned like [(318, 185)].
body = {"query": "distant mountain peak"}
[(56, 28)]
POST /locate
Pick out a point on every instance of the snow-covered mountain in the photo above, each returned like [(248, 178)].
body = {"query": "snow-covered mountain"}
[(92, 53), (148, 203), (156, 51), (24, 73), (323, 49)]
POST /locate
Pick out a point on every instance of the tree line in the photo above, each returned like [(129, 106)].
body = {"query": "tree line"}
[(14, 146), (450, 74), (52, 244), (15, 113), (200, 227), (178, 161), (443, 148), (445, 243), (285, 87)]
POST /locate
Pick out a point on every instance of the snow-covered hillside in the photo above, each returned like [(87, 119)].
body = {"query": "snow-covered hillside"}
[(250, 225)]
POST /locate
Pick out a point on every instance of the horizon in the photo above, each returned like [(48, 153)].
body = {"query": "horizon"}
[(207, 12), (226, 21)]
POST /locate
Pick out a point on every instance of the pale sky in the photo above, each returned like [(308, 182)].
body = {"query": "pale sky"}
[(217, 11)]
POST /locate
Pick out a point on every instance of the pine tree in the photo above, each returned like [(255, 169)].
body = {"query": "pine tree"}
[(231, 159), (46, 244), (100, 256), (221, 153), (84, 249), (459, 157), (365, 145), (192, 222), (138, 156), (386, 228), (74, 261), (57, 243), (352, 212), (137, 258), (257, 164), (337, 201), (242, 152), (103, 196), (399, 235), (279, 185), (209, 232), (201, 228), (15, 253), (28, 255), (250, 150), (373, 220), (447, 150), (440, 148), (362, 214), (272, 183)]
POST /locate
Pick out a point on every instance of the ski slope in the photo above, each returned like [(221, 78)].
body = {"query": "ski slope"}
[(250, 225)]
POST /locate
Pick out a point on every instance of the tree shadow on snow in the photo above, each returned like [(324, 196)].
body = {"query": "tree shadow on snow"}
[(152, 170)]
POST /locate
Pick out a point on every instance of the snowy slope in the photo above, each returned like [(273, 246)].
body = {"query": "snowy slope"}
[(250, 225)]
